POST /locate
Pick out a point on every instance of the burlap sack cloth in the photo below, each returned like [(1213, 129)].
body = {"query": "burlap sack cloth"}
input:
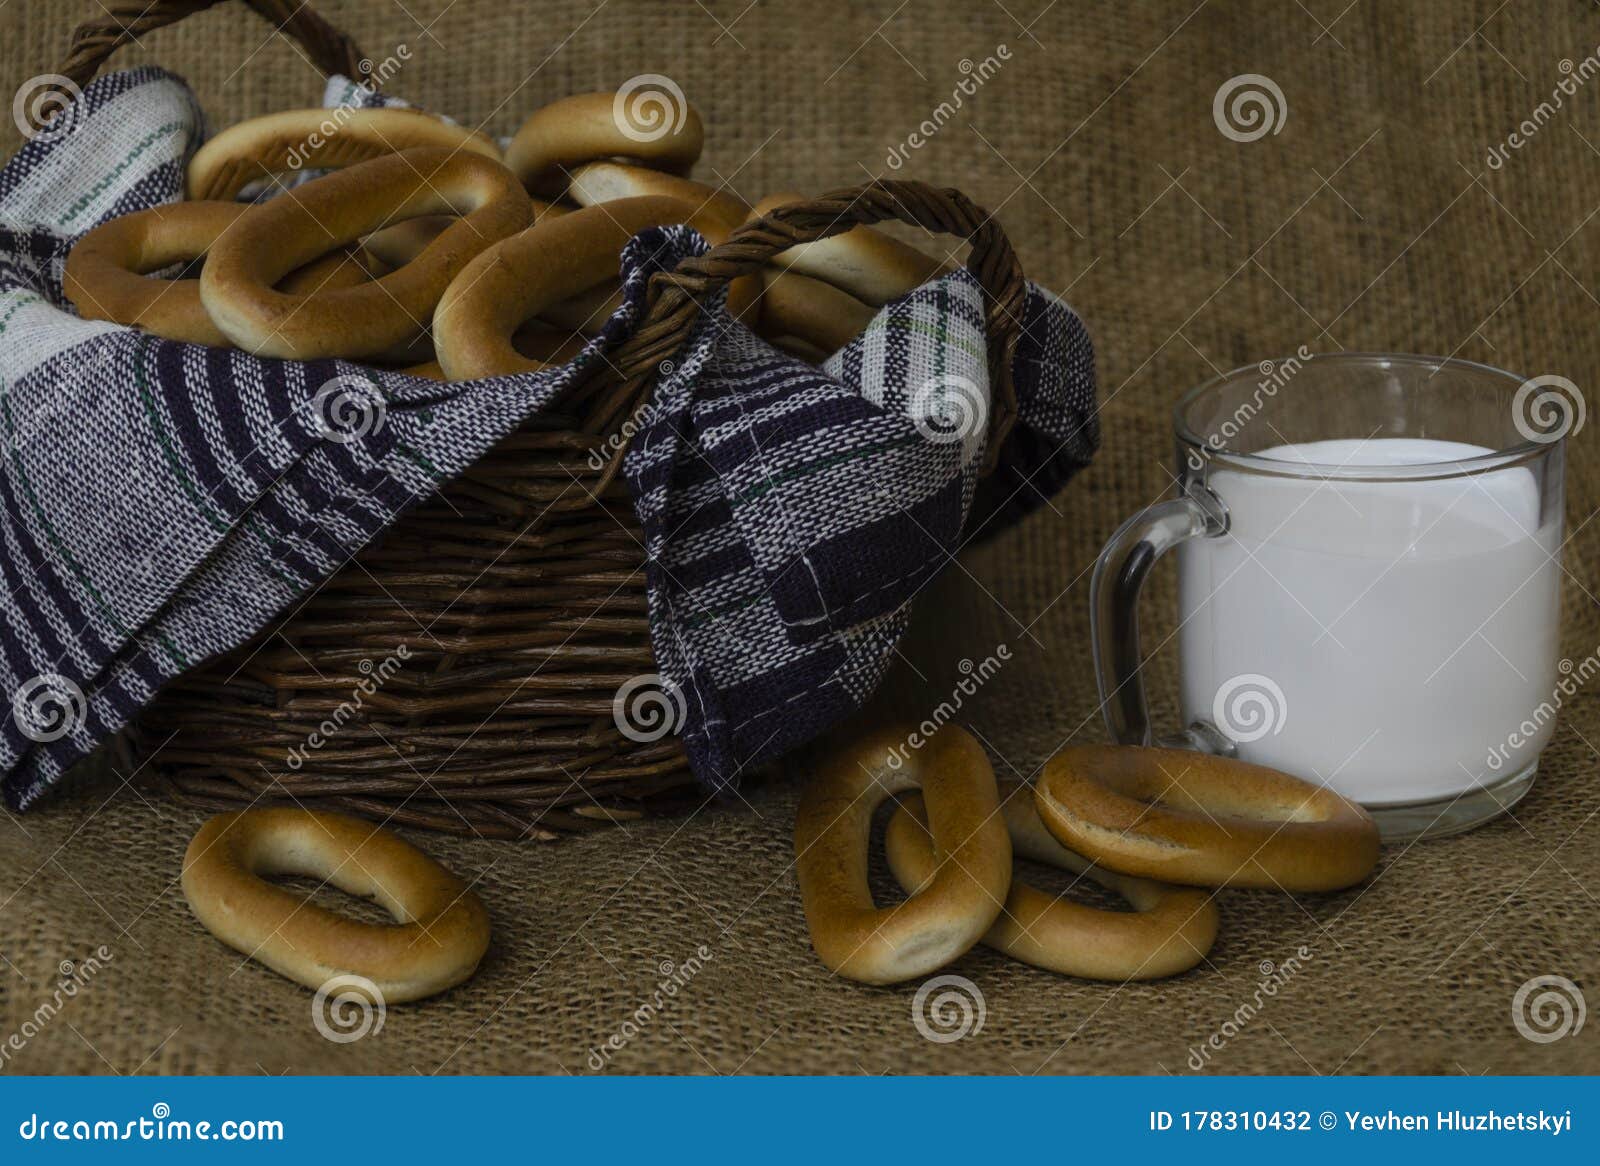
[(1370, 221)]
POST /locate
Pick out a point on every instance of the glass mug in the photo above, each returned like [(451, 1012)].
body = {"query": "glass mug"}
[(1368, 565)]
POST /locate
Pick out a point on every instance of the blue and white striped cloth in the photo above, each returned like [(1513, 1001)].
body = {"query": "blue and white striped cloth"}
[(161, 502)]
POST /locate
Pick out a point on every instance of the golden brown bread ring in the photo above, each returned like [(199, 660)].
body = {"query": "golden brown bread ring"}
[(1194, 818), (1169, 930), (600, 182), (872, 266), (320, 139), (400, 244), (954, 908), (106, 271), (442, 929), (236, 284), (526, 275), (801, 349), (808, 309), (586, 127), (348, 266)]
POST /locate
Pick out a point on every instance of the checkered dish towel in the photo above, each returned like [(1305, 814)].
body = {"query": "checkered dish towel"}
[(161, 502)]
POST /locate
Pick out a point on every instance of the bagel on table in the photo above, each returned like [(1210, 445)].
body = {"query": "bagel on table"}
[(1186, 817), (1169, 931), (276, 236), (441, 929), (318, 139), (522, 277), (591, 127), (952, 909)]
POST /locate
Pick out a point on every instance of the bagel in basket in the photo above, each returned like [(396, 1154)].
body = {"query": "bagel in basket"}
[(107, 273), (275, 237), (318, 139), (665, 134), (524, 276), (872, 266)]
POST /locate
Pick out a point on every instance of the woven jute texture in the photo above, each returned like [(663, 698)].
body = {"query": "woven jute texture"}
[(1369, 221)]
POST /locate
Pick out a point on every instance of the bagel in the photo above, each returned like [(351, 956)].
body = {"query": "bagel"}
[(589, 127), (1194, 818), (318, 139), (808, 309), (1169, 931), (236, 284), (441, 931), (349, 266), (600, 182), (587, 310), (953, 908), (872, 266), (524, 276), (400, 244), (106, 273), (801, 349)]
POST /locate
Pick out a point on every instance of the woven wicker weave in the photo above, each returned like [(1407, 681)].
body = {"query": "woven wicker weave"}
[(518, 591)]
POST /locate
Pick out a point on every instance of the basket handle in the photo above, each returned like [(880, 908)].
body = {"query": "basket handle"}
[(101, 35), (673, 305)]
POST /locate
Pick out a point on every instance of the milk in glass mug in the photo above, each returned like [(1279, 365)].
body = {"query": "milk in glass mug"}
[(1368, 581)]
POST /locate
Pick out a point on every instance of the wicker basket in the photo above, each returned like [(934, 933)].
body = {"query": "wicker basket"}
[(518, 591)]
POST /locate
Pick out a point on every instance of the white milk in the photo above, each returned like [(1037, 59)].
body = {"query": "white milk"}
[(1410, 627)]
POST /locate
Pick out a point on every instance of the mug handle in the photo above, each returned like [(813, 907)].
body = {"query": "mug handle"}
[(1119, 575)]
